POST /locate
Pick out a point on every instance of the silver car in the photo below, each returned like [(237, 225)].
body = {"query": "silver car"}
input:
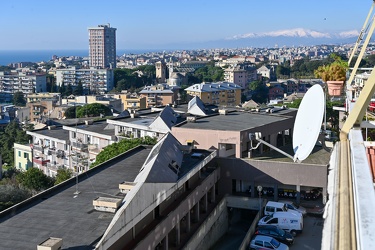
[(266, 242)]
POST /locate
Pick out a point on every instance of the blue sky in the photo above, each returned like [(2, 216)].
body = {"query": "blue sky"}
[(143, 24)]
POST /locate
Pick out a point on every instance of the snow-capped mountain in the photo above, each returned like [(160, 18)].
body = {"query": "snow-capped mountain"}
[(298, 32), (290, 37)]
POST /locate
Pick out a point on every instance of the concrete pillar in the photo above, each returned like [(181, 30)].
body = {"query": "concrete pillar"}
[(188, 222), (165, 242), (196, 211), (261, 148), (298, 189), (238, 150), (324, 194), (133, 232), (283, 136), (178, 233), (213, 191), (253, 189), (275, 192), (273, 140)]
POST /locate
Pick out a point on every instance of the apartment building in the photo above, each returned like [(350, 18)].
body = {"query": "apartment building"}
[(93, 80), (36, 97), (102, 46), (220, 93), (160, 95), (22, 157), (109, 101), (26, 82), (50, 149), (87, 141), (71, 147), (130, 100), (240, 75), (153, 124), (40, 110)]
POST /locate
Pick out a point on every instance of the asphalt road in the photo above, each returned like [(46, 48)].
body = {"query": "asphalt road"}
[(311, 236)]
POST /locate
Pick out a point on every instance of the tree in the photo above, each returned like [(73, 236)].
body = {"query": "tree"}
[(62, 89), (11, 195), (68, 90), (35, 179), (259, 91), (63, 175), (70, 112), (294, 104), (11, 134), (120, 147), (78, 90), (208, 73), (93, 109), (19, 99)]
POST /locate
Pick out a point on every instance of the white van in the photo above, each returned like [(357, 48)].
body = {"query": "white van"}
[(273, 206), (282, 206), (288, 221)]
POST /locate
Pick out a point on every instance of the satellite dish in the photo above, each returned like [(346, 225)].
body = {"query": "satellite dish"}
[(308, 122)]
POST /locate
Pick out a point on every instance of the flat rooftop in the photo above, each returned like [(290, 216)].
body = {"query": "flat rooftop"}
[(58, 212), (235, 121), (97, 127), (57, 133)]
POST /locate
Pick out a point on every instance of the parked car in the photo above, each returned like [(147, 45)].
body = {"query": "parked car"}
[(266, 242), (275, 232), (274, 206), (294, 206), (288, 221), (307, 195)]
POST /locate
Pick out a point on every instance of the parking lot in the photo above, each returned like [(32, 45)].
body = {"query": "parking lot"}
[(311, 237)]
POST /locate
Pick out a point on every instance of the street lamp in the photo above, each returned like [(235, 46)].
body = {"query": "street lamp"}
[(260, 188)]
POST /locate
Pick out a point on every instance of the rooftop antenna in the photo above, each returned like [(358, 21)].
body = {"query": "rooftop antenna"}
[(306, 126)]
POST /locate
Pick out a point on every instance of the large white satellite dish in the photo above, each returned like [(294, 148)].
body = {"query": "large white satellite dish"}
[(308, 122), (306, 126)]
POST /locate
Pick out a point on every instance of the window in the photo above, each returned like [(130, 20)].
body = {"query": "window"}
[(279, 210), (19, 153), (19, 165), (273, 221), (26, 155), (267, 244), (259, 243), (270, 209)]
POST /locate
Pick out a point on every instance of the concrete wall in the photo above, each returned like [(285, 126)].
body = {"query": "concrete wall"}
[(212, 229), (280, 173)]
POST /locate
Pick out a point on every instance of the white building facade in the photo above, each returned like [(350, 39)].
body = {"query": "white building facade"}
[(93, 80)]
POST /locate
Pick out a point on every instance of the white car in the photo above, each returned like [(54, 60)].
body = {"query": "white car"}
[(293, 206), (266, 242)]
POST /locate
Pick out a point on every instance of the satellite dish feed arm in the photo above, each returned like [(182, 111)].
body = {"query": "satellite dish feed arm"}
[(258, 138)]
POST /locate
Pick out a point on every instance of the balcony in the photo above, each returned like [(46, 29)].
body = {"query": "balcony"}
[(80, 146), (37, 148), (41, 161)]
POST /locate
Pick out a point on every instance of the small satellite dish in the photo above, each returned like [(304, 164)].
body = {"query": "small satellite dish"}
[(308, 122)]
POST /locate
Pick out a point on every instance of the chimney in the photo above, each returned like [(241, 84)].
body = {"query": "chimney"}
[(106, 204), (191, 119), (223, 111), (50, 244)]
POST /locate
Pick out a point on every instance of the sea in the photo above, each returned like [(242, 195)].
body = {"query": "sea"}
[(14, 56)]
